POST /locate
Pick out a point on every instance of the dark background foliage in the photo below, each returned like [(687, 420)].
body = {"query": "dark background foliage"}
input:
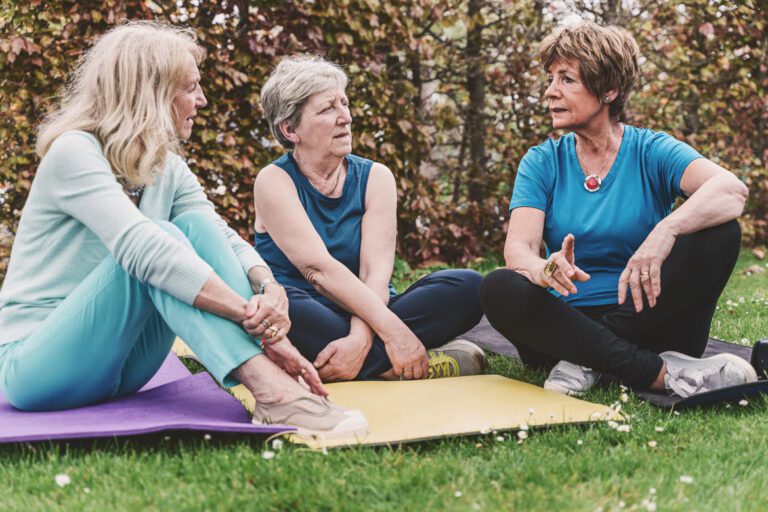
[(444, 92)]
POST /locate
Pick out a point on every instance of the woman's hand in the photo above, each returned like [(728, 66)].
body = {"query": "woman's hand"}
[(643, 271), (287, 357), (342, 359), (266, 316), (406, 353), (564, 270)]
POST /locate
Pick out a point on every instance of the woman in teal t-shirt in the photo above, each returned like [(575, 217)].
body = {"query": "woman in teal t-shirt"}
[(628, 287)]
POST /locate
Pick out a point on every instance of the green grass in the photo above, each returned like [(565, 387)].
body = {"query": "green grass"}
[(565, 468)]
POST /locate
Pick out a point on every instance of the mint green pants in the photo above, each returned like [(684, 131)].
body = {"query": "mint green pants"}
[(113, 332)]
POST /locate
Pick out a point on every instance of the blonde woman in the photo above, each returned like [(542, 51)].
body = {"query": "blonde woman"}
[(628, 286), (118, 251)]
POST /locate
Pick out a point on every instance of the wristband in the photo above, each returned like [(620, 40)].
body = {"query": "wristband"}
[(264, 284)]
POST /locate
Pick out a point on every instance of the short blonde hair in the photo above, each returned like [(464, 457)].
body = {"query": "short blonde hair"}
[(607, 59), (122, 92), (289, 87)]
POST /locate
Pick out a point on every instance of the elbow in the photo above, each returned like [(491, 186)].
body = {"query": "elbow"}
[(739, 192), (316, 274)]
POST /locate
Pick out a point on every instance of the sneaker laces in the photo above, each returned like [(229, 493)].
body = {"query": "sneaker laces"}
[(442, 365)]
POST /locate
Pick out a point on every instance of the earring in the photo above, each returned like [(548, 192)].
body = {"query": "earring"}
[(607, 99)]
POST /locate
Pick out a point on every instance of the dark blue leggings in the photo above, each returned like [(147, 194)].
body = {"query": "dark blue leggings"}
[(615, 339), (437, 308)]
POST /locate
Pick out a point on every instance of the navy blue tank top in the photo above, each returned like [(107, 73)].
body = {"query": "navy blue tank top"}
[(337, 220)]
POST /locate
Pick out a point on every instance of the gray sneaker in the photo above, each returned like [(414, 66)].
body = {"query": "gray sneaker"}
[(457, 358), (571, 379), (688, 375), (314, 417)]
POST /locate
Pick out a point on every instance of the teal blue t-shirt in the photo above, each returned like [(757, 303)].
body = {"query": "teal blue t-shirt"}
[(610, 224)]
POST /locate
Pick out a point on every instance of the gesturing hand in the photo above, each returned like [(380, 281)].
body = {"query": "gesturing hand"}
[(643, 271), (563, 269), (342, 359)]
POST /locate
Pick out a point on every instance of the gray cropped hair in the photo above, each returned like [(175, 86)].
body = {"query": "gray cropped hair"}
[(291, 84)]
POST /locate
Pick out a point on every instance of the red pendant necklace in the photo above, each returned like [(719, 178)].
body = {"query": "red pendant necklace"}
[(592, 182)]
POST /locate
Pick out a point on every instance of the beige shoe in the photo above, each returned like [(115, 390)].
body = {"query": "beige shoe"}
[(314, 417), (457, 358)]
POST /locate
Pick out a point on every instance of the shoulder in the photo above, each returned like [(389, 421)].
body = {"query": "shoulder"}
[(270, 175), (74, 142), (381, 175), (647, 138), (547, 154), (360, 162)]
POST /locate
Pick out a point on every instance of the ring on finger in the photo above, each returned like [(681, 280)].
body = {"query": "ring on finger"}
[(273, 331), (550, 268), (266, 323), (645, 275), (303, 371)]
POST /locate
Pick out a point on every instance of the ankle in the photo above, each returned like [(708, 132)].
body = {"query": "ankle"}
[(658, 383)]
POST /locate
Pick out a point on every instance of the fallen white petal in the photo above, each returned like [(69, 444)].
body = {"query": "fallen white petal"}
[(457, 494), (623, 428), (277, 444), (624, 397), (62, 480), (267, 454), (743, 403), (522, 434), (659, 429), (579, 442), (686, 479), (652, 444), (207, 437), (523, 426)]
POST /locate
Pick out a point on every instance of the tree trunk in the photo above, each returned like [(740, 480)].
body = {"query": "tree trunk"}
[(475, 122)]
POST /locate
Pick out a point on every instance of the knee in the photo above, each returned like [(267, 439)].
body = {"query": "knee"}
[(505, 292), (466, 286), (191, 218), (719, 241), (172, 229)]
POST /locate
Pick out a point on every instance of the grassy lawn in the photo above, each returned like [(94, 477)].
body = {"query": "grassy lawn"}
[(695, 460)]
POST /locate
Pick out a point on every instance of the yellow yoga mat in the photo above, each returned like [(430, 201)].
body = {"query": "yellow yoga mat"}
[(405, 411)]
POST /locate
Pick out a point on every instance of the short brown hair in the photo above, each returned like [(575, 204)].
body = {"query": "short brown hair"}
[(607, 58)]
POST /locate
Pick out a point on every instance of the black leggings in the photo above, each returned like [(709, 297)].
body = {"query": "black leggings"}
[(615, 339)]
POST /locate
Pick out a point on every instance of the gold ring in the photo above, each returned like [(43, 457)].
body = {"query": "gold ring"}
[(550, 268), (273, 331), (266, 323), (303, 371)]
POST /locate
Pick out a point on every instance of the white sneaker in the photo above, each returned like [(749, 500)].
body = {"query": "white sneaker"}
[(571, 379), (688, 375)]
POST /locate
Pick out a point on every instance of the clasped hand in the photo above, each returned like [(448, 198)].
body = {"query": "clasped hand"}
[(266, 316)]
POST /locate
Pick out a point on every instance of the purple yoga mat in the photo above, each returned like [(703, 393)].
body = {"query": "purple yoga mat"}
[(172, 400)]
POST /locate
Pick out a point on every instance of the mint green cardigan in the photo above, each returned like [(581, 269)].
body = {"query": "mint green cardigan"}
[(77, 214)]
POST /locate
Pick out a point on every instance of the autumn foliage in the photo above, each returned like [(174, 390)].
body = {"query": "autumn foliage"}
[(445, 93)]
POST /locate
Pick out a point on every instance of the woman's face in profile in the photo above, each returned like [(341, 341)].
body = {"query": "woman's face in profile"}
[(187, 100), (571, 104)]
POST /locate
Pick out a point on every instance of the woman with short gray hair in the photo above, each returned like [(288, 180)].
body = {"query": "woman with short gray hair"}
[(326, 225)]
